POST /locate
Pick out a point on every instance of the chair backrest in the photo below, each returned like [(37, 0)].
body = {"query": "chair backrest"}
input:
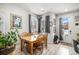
[(25, 34), (39, 40)]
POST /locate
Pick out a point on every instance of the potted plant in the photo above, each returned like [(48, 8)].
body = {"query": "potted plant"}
[(8, 42)]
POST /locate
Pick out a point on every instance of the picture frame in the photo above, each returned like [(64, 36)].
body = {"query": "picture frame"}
[(16, 21)]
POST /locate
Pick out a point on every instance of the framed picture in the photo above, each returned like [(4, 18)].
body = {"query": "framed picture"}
[(16, 21)]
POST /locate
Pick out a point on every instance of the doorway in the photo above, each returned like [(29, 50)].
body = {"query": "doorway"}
[(65, 32)]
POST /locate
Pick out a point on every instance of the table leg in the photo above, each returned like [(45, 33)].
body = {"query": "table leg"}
[(31, 48), (46, 43), (22, 44)]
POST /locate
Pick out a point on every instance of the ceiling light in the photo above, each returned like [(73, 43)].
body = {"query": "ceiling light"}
[(66, 10), (42, 9)]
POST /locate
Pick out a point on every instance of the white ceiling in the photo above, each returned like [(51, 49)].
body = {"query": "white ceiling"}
[(40, 8)]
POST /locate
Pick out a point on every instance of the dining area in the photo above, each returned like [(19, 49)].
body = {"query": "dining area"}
[(33, 42)]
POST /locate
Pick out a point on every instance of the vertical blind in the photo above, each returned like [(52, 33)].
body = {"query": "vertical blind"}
[(47, 21)]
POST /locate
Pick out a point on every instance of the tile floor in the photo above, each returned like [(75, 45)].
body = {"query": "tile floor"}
[(52, 49)]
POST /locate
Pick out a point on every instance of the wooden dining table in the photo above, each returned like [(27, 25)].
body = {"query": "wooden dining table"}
[(31, 40)]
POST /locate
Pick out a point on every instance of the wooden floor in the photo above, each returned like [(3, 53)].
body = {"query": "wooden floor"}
[(52, 49)]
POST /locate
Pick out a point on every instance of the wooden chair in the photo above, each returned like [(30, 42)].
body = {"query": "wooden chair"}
[(25, 34), (38, 45)]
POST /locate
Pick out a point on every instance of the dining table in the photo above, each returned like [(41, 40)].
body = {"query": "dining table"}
[(31, 40)]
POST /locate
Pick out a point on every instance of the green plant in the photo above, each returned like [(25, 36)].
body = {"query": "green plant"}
[(11, 38), (8, 39), (2, 41)]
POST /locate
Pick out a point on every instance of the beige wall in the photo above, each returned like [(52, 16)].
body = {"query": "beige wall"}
[(6, 10)]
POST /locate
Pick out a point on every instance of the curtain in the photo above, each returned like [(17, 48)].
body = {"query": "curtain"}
[(47, 21), (39, 23), (29, 23), (60, 29)]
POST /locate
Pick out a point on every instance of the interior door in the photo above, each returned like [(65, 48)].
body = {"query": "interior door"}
[(66, 29)]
